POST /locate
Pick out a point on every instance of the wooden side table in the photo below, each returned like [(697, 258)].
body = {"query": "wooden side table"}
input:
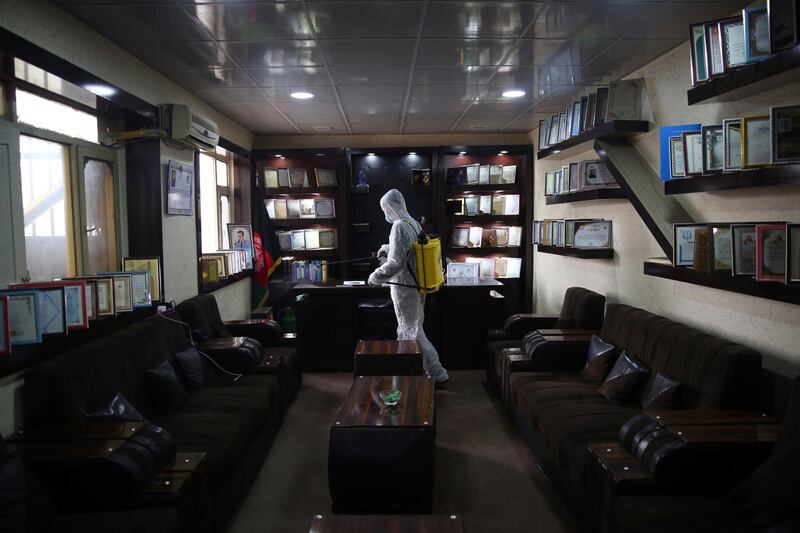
[(394, 523), (388, 358), (184, 485)]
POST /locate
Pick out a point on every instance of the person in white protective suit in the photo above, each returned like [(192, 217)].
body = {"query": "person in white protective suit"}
[(409, 304)]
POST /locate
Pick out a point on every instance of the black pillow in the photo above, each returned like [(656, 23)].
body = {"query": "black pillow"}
[(624, 380), (662, 393), (164, 388), (769, 497), (118, 408), (598, 360), (191, 366)]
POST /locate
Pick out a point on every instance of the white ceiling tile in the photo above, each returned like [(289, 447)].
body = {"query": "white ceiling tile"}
[(444, 93), (377, 52), (370, 75), (376, 109), (252, 21), (372, 93), (265, 54), (359, 20), (436, 107), (289, 76), (463, 51), (476, 19)]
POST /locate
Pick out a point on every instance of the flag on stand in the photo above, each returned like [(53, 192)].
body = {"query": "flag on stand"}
[(266, 249)]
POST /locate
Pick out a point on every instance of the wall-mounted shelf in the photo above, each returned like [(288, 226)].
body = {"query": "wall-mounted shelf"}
[(749, 79), (485, 250), (662, 268), (585, 196), (580, 253), (302, 222), (484, 219), (300, 255), (610, 130), (298, 191), (485, 188), (741, 179)]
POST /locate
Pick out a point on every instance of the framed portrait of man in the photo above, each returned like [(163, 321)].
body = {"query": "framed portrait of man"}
[(240, 236)]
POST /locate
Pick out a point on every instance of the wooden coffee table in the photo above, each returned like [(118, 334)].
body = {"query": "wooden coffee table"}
[(381, 460), (393, 523), (388, 358)]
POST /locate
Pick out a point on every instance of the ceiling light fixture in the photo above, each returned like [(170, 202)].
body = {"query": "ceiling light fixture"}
[(412, 153), (371, 153), (513, 93), (462, 153), (278, 155), (100, 90), (320, 155), (301, 95), (503, 152)]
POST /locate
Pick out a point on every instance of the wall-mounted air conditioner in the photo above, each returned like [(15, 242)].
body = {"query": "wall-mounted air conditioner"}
[(188, 127)]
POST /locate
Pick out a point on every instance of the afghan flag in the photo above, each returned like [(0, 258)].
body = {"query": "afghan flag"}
[(266, 249)]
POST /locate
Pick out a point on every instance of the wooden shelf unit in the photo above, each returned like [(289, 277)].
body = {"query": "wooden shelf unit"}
[(586, 196), (740, 179), (610, 130), (771, 290), (485, 250), (773, 71), (580, 253)]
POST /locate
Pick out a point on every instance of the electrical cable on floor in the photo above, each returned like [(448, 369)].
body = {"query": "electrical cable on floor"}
[(194, 344)]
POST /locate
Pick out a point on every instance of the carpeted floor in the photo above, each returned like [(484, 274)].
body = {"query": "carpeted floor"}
[(484, 471)]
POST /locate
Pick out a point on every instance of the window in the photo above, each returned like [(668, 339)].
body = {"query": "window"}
[(216, 192), (45, 190)]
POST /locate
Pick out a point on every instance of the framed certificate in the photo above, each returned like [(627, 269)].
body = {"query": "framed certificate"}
[(783, 21), (549, 183), (459, 237), (298, 178), (731, 32), (544, 130), (462, 271), (600, 106), (496, 174), (475, 237), (283, 177), (472, 174), (515, 236), (590, 234), (285, 241), (270, 178), (720, 257), (732, 140), (697, 53), (153, 266), (569, 122), (692, 153), (713, 149), (588, 118), (307, 209), (785, 128), (575, 127), (240, 237), (553, 131), (327, 239), (485, 204), (5, 336), (792, 253), (756, 142), (562, 127), (509, 173), (743, 249), (574, 177), (471, 205), (123, 290), (596, 175), (421, 177), (298, 240), (312, 239), (104, 295), (209, 269), (75, 300), (483, 175), (625, 100), (91, 299), (140, 288), (325, 177), (584, 102), (757, 39), (714, 49), (771, 252), (683, 242), (180, 184), (325, 207), (52, 306), (293, 208), (23, 316), (677, 165)]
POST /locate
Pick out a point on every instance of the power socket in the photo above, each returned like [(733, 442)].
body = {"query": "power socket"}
[(161, 309)]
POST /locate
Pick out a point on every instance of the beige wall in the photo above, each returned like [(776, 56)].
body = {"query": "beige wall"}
[(769, 326)]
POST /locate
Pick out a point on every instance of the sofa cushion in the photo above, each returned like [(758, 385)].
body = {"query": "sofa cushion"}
[(662, 392), (190, 363), (599, 359), (165, 389), (624, 379), (678, 514), (118, 408)]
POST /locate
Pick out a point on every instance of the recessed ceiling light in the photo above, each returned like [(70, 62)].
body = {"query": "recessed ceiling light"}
[(301, 95), (462, 153), (412, 153), (371, 153), (513, 93), (100, 90), (278, 155), (320, 155), (503, 152)]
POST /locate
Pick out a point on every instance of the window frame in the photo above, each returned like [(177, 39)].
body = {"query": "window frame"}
[(220, 190)]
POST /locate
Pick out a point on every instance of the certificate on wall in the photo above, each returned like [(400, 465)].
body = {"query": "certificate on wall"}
[(23, 317), (52, 306), (771, 252), (683, 243), (456, 271), (792, 253), (123, 290), (140, 288), (151, 265), (756, 141), (75, 298), (743, 248), (180, 183), (596, 234)]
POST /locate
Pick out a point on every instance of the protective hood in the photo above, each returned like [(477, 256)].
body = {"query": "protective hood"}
[(394, 207)]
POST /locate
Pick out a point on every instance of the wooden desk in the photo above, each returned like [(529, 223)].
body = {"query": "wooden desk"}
[(456, 320), (388, 358), (376, 451), (387, 523)]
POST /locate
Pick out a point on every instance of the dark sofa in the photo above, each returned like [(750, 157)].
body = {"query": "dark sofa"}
[(766, 499), (582, 310), (202, 314), (559, 412), (26, 507), (234, 422)]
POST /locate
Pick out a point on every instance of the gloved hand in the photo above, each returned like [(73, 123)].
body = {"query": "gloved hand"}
[(383, 251), (373, 280)]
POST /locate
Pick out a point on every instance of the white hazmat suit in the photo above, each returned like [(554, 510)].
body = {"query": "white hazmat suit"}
[(409, 304)]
